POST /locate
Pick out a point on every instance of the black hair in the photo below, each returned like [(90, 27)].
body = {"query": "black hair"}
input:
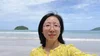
[(40, 28)]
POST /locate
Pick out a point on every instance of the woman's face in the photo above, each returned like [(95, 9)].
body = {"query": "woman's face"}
[(51, 28)]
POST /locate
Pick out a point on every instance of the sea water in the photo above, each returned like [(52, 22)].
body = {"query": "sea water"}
[(78, 35), (82, 35)]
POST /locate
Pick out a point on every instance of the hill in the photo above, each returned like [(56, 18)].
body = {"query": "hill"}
[(96, 29), (21, 28)]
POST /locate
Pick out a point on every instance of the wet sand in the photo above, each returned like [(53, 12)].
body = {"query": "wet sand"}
[(13, 47), (22, 47)]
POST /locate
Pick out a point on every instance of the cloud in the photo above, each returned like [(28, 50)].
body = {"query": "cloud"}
[(80, 6), (14, 5), (30, 12), (16, 10), (85, 4), (35, 2)]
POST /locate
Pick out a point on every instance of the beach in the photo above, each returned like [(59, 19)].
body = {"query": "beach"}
[(15, 43), (23, 47)]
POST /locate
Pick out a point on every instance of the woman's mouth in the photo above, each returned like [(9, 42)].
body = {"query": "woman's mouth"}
[(51, 35)]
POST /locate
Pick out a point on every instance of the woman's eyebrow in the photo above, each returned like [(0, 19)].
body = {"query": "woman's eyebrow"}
[(47, 22), (53, 22)]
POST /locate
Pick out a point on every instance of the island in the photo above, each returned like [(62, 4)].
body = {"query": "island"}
[(21, 28), (96, 29)]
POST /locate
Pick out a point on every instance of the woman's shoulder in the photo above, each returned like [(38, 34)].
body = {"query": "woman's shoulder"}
[(71, 47), (37, 49), (67, 45)]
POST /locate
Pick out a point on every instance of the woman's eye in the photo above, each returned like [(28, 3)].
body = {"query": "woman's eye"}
[(47, 25), (56, 25)]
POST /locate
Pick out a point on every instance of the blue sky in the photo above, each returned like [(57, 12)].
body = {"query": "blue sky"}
[(77, 14)]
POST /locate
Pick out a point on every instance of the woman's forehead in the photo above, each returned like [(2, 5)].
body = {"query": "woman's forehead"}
[(52, 19)]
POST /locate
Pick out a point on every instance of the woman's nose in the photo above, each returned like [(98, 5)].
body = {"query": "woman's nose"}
[(52, 28)]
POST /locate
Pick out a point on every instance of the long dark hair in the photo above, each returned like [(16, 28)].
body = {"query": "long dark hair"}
[(40, 28)]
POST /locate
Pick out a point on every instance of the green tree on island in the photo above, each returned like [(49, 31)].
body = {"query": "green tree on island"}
[(21, 28), (97, 29)]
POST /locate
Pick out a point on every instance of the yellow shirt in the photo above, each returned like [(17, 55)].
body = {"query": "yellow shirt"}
[(61, 50)]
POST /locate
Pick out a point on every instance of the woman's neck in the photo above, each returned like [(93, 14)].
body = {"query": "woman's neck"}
[(51, 44)]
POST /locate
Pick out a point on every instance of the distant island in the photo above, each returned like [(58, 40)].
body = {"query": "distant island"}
[(96, 29), (21, 28)]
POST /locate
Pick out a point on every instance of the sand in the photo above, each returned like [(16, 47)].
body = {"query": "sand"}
[(22, 47)]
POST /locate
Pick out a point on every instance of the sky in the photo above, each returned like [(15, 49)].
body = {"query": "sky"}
[(76, 14)]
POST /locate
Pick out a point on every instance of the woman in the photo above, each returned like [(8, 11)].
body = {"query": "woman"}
[(50, 32)]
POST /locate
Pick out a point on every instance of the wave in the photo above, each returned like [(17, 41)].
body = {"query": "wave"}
[(4, 37), (19, 32), (80, 39), (36, 38)]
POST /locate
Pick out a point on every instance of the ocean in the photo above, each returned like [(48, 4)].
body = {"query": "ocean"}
[(78, 35), (20, 43)]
